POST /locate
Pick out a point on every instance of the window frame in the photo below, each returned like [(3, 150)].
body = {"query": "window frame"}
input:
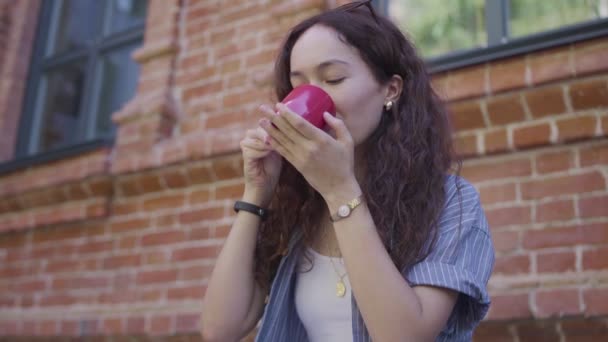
[(26, 153), (501, 46)]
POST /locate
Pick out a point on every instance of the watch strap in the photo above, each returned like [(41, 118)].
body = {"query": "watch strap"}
[(352, 204), (251, 208)]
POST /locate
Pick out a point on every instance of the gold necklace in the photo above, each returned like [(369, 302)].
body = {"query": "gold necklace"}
[(340, 285)]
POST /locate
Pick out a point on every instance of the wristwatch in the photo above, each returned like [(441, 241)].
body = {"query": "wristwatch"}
[(345, 210)]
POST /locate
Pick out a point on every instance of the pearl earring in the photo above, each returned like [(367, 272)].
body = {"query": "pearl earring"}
[(388, 105)]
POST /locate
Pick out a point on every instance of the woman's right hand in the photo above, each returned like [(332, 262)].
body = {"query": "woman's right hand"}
[(261, 167)]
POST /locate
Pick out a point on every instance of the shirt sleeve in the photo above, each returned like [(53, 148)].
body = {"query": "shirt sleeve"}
[(463, 256)]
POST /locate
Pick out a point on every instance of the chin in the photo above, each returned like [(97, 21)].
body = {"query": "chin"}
[(359, 143)]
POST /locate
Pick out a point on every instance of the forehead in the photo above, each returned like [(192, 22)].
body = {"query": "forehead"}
[(319, 44)]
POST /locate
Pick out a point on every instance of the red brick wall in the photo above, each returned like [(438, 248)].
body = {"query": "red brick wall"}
[(121, 241)]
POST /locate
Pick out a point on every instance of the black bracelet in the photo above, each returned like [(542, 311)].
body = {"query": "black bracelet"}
[(251, 208)]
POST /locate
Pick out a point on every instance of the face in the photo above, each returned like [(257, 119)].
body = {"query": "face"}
[(320, 58)]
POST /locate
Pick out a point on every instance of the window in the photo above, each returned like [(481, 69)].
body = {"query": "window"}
[(81, 72), (440, 26), (455, 33), (527, 16)]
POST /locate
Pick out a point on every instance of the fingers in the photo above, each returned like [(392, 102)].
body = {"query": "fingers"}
[(276, 140), (255, 144), (298, 124), (283, 151), (255, 154), (258, 133), (279, 119), (338, 126), (255, 149), (277, 136), (282, 131)]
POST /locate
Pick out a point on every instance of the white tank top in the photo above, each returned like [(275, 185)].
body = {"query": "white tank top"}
[(325, 316)]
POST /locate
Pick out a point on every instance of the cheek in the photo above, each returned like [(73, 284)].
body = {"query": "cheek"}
[(361, 110), (353, 100)]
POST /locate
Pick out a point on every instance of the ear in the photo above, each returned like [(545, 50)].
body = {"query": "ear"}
[(393, 88)]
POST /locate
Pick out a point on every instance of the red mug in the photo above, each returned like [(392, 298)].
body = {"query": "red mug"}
[(310, 102)]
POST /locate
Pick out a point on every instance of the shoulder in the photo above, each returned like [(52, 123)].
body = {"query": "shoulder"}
[(462, 257), (457, 188), (462, 206)]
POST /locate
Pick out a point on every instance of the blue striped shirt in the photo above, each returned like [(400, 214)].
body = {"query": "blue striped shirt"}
[(462, 260)]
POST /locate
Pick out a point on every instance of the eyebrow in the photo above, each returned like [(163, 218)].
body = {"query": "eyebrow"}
[(321, 66)]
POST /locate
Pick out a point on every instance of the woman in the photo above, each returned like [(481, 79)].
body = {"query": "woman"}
[(367, 236)]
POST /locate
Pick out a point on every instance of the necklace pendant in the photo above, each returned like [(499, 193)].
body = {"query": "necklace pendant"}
[(340, 289)]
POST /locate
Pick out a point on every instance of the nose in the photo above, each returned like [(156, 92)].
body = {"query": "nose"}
[(318, 84), (315, 83)]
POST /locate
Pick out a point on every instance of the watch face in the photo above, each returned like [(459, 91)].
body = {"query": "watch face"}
[(344, 211)]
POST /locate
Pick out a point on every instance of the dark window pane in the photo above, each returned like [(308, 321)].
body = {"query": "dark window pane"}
[(119, 81), (77, 23), (126, 14), (60, 113), (440, 26), (531, 16)]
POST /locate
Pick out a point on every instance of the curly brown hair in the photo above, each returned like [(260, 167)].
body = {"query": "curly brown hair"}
[(407, 156)]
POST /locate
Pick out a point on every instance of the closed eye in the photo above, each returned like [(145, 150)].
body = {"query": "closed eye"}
[(336, 81)]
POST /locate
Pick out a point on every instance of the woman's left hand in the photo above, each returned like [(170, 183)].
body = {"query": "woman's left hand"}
[(327, 163)]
